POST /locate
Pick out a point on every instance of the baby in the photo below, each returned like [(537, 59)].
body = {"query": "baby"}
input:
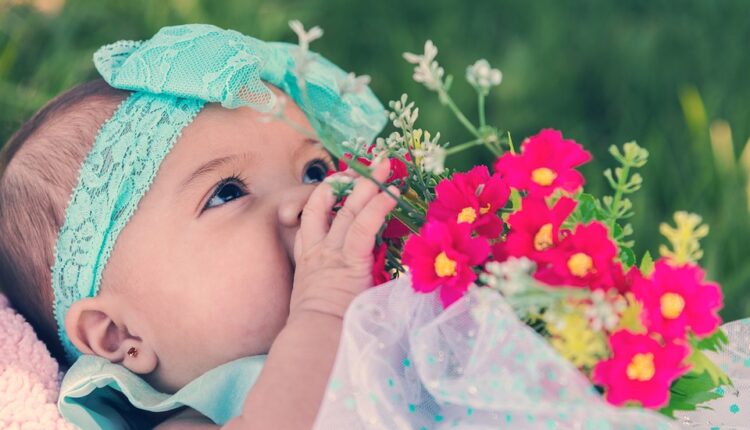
[(198, 278), (231, 253)]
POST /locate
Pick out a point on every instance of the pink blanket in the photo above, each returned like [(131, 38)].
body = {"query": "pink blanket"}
[(29, 376)]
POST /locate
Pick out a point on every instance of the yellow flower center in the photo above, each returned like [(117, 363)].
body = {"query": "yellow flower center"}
[(641, 367), (672, 305), (543, 176), (444, 266), (485, 209), (580, 264), (543, 238), (467, 215)]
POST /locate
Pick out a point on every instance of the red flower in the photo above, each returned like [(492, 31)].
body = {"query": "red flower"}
[(640, 369), (472, 198), (398, 168), (582, 259), (621, 280), (546, 162), (442, 255), (499, 251), (342, 164), (535, 229), (676, 298), (395, 229), (379, 274)]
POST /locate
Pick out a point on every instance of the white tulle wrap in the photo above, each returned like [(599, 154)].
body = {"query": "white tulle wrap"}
[(732, 410), (404, 363)]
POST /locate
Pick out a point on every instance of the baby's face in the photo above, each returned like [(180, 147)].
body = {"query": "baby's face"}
[(204, 269)]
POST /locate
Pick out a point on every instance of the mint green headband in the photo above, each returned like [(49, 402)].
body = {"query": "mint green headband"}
[(173, 75)]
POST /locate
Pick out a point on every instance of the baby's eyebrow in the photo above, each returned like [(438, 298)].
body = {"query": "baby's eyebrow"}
[(216, 163), (213, 165), (305, 145)]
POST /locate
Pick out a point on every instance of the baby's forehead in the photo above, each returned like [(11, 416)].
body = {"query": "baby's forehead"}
[(240, 134), (216, 127)]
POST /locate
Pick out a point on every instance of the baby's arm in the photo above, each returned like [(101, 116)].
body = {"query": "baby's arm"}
[(333, 265)]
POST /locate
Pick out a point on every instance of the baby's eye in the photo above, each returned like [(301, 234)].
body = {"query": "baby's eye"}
[(315, 171), (227, 190)]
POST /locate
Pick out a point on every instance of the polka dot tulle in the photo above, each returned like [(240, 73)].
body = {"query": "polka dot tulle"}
[(404, 363), (732, 409)]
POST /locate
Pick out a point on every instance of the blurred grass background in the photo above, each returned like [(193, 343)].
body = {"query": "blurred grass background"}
[(672, 75)]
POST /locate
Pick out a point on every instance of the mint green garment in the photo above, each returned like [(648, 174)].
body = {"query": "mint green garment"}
[(97, 394)]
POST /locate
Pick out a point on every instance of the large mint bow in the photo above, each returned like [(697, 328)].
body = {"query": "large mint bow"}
[(208, 63)]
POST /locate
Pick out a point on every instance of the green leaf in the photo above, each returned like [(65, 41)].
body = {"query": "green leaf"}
[(702, 364), (698, 385), (515, 199), (627, 256), (715, 342), (588, 208), (647, 264), (688, 392)]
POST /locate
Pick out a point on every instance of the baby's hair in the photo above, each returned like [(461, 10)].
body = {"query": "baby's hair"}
[(39, 168)]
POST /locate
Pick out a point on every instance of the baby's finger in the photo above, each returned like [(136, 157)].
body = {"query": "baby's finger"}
[(360, 239), (315, 223), (363, 192)]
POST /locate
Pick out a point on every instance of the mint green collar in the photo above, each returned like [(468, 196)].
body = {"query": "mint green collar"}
[(96, 393)]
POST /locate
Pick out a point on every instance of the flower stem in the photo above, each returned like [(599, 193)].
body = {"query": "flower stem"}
[(495, 151), (446, 98), (363, 171), (417, 171), (482, 121), (618, 195), (463, 146), (298, 127), (406, 220)]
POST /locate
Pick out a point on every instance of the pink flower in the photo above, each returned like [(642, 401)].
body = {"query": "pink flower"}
[(676, 299), (640, 369), (443, 255), (535, 229), (582, 259), (547, 162), (472, 198)]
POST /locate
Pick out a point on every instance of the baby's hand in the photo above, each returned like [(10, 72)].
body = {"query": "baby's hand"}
[(334, 259)]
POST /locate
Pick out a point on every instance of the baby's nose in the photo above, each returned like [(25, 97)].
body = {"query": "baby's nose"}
[(293, 200)]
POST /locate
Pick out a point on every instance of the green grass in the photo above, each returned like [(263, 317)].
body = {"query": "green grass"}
[(660, 72)]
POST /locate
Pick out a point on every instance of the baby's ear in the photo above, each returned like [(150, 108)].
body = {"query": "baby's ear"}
[(94, 326)]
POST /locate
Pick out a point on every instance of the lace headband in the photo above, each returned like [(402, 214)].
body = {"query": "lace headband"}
[(173, 75)]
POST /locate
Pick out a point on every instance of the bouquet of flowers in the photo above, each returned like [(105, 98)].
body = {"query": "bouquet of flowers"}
[(638, 328)]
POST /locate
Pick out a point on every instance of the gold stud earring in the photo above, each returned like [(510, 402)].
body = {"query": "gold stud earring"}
[(133, 352)]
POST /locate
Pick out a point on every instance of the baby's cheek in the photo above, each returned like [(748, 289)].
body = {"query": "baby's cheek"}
[(257, 325)]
